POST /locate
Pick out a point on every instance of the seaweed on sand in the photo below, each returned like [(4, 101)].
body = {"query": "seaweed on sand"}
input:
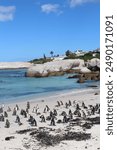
[(95, 120), (87, 125), (9, 138), (76, 136), (47, 139), (25, 131)]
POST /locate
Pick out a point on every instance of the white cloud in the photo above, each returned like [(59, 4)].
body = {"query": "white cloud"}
[(48, 8), (74, 3), (7, 13)]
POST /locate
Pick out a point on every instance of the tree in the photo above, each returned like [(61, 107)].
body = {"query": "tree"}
[(68, 53), (51, 53), (44, 56)]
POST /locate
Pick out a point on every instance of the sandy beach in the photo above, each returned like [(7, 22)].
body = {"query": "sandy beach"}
[(26, 141)]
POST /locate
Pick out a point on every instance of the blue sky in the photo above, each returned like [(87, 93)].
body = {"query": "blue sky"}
[(30, 28)]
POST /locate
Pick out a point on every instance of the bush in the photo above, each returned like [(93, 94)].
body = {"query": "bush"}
[(85, 57), (89, 56), (71, 56), (41, 60)]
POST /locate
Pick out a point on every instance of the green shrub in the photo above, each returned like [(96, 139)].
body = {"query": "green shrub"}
[(89, 56), (41, 60)]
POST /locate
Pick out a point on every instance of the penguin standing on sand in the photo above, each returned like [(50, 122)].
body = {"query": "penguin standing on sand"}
[(17, 107), (58, 103), (18, 120), (5, 114), (77, 107), (83, 115), (70, 103), (65, 119), (8, 109), (47, 108), (55, 112), (7, 123), (53, 120), (42, 118), (28, 105), (14, 112), (61, 102), (66, 105)]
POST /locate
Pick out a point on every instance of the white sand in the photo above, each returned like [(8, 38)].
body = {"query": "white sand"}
[(20, 140), (14, 65)]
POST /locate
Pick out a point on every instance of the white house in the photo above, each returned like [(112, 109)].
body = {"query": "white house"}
[(59, 57), (80, 52)]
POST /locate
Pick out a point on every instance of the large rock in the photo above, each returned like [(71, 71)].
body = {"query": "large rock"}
[(84, 70), (90, 76), (81, 80), (94, 62), (54, 68)]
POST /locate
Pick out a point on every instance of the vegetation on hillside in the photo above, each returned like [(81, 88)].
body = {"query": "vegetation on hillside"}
[(41, 60), (69, 55), (85, 57), (89, 56)]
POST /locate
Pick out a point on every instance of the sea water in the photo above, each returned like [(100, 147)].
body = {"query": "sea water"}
[(14, 85)]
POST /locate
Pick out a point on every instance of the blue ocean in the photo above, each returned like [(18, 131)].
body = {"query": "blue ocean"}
[(14, 86)]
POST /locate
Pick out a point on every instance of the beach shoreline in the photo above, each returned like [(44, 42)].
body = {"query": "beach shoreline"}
[(14, 65), (48, 96)]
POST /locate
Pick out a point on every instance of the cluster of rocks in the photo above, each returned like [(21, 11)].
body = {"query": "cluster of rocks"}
[(89, 76), (91, 71), (56, 68)]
